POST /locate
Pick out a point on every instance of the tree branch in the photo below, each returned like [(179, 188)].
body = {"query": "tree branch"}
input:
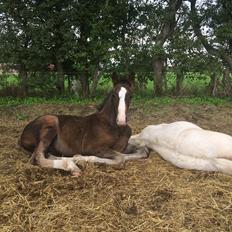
[(168, 27), (210, 49)]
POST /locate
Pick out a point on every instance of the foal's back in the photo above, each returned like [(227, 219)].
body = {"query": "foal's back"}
[(52, 126)]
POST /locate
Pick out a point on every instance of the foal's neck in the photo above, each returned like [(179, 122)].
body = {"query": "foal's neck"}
[(109, 111)]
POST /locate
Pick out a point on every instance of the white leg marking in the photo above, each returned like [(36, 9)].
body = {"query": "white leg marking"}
[(121, 117), (67, 165), (94, 159)]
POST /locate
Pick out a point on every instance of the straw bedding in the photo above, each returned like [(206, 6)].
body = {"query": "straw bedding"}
[(146, 195)]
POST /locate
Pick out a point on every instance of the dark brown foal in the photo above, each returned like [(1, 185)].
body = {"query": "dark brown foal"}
[(100, 137)]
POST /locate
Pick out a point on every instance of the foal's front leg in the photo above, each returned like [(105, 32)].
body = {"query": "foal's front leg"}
[(113, 157), (107, 156)]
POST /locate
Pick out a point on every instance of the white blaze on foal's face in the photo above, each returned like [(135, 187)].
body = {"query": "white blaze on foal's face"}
[(121, 118)]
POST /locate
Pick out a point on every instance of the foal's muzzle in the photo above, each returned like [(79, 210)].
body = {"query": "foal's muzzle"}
[(122, 122)]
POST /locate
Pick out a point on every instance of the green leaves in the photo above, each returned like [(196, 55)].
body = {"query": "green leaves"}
[(120, 35)]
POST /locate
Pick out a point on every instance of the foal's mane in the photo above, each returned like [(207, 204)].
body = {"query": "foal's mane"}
[(101, 106), (111, 112)]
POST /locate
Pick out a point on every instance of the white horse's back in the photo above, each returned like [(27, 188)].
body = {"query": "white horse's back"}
[(186, 145)]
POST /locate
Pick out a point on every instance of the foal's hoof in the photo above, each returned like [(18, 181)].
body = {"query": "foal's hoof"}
[(76, 173), (120, 166), (33, 161)]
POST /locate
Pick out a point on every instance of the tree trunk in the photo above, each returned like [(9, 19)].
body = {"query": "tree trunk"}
[(60, 70), (96, 76), (142, 82), (167, 29), (226, 82), (165, 83), (69, 84), (179, 81), (84, 80), (158, 76), (213, 84), (23, 75)]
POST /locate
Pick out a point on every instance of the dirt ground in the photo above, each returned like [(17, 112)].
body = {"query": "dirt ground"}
[(148, 195)]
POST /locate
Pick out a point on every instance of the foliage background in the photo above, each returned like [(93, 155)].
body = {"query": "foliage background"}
[(174, 47)]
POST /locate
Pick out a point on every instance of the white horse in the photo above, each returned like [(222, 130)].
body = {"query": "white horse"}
[(186, 145)]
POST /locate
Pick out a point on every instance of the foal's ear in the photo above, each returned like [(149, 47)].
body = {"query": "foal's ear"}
[(114, 78)]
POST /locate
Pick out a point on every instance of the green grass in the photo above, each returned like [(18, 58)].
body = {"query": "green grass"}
[(137, 100), (181, 100), (10, 101)]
